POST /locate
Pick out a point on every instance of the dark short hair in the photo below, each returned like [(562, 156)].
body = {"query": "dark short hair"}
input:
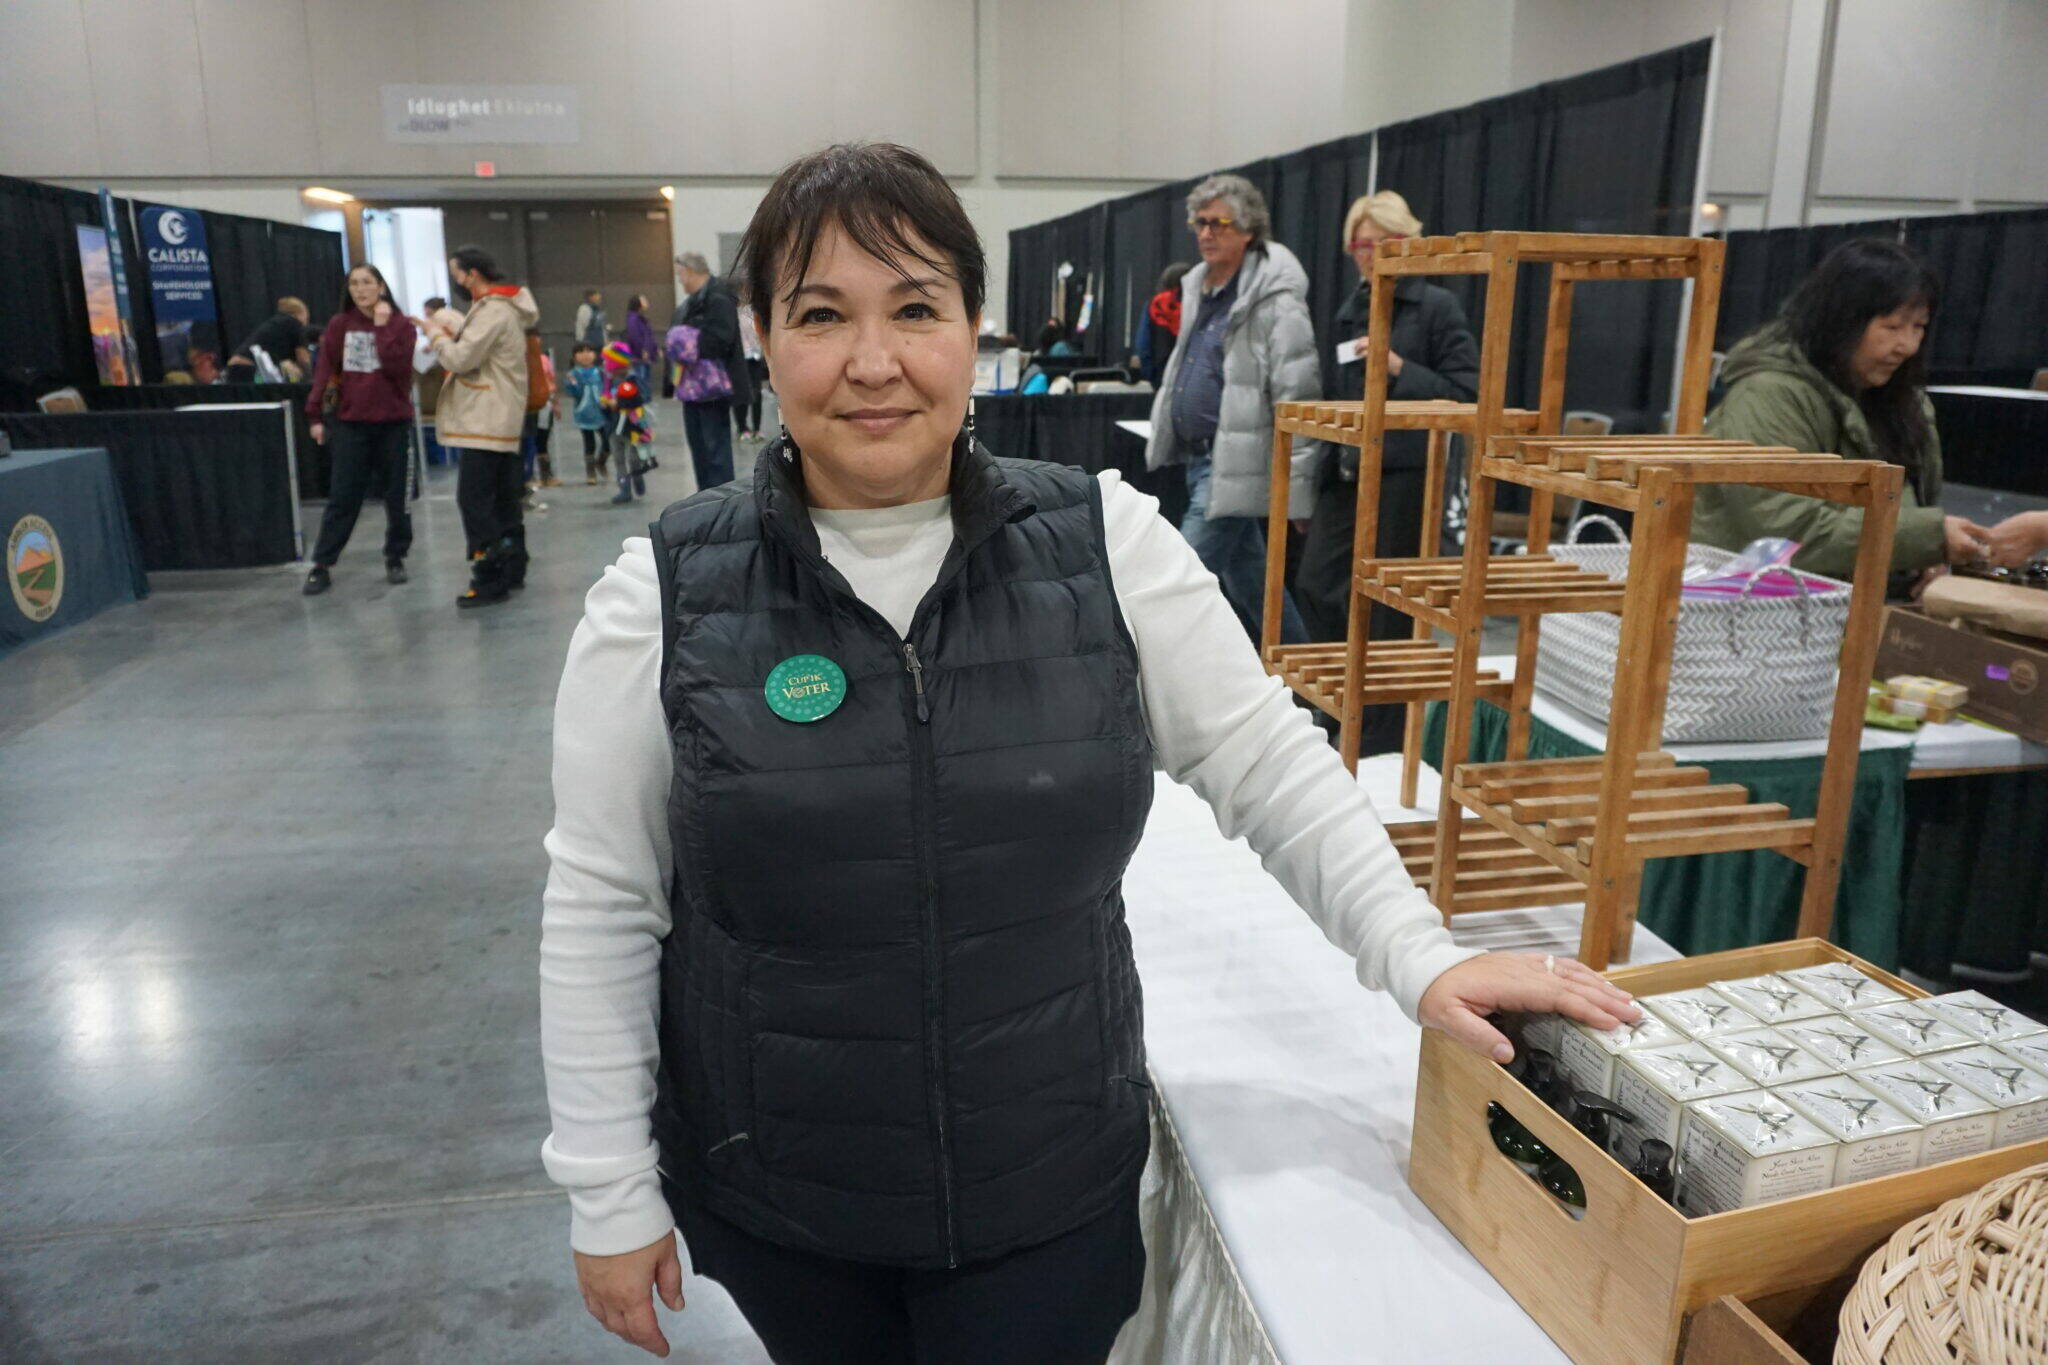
[(435, 304), (477, 259), (583, 346), (1865, 278), (884, 196), (592, 293)]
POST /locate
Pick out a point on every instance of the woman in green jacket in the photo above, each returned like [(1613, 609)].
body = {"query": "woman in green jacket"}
[(1841, 371)]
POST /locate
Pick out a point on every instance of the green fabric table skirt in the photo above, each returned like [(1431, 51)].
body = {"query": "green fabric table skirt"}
[(1735, 900)]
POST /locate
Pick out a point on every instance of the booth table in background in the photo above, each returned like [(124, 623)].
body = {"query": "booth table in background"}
[(1993, 437), (1079, 429), (1933, 872), (207, 488), (70, 551)]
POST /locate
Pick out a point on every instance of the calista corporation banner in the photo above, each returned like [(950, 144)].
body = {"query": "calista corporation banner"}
[(457, 112), (181, 290)]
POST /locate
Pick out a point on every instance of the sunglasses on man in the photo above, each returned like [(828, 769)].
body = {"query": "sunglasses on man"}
[(1202, 225), (1367, 244)]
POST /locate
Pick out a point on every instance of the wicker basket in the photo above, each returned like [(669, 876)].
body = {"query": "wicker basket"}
[(1967, 1282)]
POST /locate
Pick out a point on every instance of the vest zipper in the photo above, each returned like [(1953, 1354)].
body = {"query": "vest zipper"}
[(928, 916)]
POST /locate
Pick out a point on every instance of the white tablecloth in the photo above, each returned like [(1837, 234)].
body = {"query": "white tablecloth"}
[(1990, 391), (1278, 1214)]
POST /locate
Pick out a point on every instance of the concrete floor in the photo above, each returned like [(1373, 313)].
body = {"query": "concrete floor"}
[(270, 1082)]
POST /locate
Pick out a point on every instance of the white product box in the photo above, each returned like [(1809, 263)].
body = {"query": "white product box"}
[(1913, 1030), (1750, 1148), (1700, 1013), (1956, 1119), (2019, 1091), (1841, 985), (1539, 1031), (1840, 1041), (1768, 1057), (1587, 1054), (1877, 1137), (1655, 1086), (1772, 998), (1983, 1018), (2031, 1050)]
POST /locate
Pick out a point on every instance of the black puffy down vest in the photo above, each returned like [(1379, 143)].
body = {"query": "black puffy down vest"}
[(900, 1021)]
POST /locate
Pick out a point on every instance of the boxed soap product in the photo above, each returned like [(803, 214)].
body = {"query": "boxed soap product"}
[(2033, 1050), (1912, 1028), (1656, 1085), (1983, 1018), (1956, 1120), (1750, 1148), (1587, 1054), (1877, 1137), (1772, 998), (2019, 1091), (1700, 1013), (1841, 985), (1540, 1031), (1841, 1042), (1768, 1057)]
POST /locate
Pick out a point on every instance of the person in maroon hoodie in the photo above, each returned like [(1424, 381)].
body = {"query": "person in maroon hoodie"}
[(361, 406)]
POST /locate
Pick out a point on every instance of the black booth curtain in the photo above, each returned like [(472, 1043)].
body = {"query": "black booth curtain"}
[(45, 339), (1992, 327), (1611, 151), (1036, 290), (1615, 150)]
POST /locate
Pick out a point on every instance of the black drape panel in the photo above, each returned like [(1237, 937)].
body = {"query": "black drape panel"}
[(242, 287), (1615, 150), (313, 463), (306, 262), (45, 340), (1081, 240), (1993, 269), (205, 490), (142, 304)]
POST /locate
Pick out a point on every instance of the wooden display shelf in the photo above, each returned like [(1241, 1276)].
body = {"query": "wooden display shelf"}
[(1494, 872), (1616, 1286), (1516, 585), (1399, 672), (1609, 470), (1343, 423), (1674, 811)]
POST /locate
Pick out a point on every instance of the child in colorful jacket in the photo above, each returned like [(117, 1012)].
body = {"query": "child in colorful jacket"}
[(629, 427)]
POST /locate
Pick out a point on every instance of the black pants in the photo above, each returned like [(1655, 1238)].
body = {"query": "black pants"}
[(597, 449), (365, 454), (1322, 583), (488, 487), (750, 415), (1059, 1303), (709, 429)]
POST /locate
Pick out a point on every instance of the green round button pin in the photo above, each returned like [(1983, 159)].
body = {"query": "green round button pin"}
[(805, 688)]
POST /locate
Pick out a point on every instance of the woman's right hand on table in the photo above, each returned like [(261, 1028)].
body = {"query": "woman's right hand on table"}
[(618, 1291), (319, 433)]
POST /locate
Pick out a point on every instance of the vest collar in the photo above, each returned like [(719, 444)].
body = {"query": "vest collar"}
[(984, 500)]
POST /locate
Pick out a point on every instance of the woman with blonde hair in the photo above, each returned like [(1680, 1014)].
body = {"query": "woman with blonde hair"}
[(1432, 355)]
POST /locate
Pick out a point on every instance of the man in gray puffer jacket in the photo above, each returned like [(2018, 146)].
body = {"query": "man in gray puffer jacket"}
[(1245, 343)]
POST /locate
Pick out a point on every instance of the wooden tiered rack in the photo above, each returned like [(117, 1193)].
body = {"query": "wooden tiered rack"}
[(1552, 831)]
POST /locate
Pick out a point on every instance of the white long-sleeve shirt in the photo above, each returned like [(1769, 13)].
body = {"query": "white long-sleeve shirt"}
[(1218, 723)]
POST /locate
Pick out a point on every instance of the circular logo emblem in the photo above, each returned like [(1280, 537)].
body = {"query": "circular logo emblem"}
[(35, 568), (806, 688), (2023, 678), (171, 226)]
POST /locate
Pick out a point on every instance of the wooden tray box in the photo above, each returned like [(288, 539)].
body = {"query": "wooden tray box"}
[(1616, 1287)]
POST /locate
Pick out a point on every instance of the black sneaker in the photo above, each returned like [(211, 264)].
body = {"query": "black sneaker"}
[(317, 581), (394, 572)]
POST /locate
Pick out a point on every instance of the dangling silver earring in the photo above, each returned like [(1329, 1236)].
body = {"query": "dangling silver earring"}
[(788, 446), (967, 427)]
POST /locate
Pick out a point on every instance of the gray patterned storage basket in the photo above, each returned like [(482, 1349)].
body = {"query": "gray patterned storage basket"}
[(1748, 668)]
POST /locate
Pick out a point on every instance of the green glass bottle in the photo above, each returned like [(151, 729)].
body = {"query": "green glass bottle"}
[(1561, 1180)]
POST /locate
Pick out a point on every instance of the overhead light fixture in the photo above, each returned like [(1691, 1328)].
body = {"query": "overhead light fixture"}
[(1710, 210), (327, 196), (668, 192)]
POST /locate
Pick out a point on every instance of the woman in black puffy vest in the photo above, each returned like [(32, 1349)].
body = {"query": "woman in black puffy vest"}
[(849, 762)]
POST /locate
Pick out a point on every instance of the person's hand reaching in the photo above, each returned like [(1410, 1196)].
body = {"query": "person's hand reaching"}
[(2017, 539), (381, 314), (618, 1291), (1459, 1000), (1967, 541)]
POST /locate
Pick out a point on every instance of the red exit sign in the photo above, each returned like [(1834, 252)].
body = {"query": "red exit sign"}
[(486, 169)]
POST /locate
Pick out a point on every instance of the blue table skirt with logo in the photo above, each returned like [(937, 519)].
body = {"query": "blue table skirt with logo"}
[(70, 548)]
